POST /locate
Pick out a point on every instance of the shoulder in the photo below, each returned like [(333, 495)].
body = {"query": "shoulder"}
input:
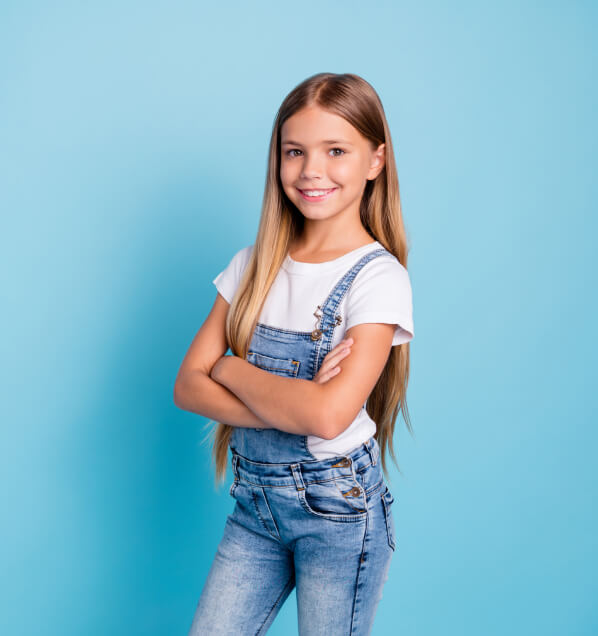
[(383, 272), (241, 258), (238, 262), (381, 292), (228, 279)]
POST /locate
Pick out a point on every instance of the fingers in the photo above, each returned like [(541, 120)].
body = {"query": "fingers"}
[(329, 366), (342, 350), (343, 344), (324, 377)]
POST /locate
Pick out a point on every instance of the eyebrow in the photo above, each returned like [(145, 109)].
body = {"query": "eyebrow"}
[(325, 141)]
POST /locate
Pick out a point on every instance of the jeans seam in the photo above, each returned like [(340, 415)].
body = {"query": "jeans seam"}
[(388, 521), (284, 589), (337, 517), (374, 489), (271, 515), (257, 511), (312, 481), (361, 562)]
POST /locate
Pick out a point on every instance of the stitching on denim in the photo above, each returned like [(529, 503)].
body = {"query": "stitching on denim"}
[(363, 468), (361, 562), (313, 481), (257, 512), (289, 583), (373, 489), (332, 303), (346, 280), (281, 330), (387, 512), (331, 516), (291, 369), (305, 461), (306, 448), (285, 371), (271, 515), (348, 500)]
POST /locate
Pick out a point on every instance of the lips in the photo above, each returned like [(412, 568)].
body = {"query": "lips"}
[(314, 189), (321, 197)]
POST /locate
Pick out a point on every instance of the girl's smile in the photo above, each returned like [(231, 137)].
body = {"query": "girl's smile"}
[(318, 148), (320, 194)]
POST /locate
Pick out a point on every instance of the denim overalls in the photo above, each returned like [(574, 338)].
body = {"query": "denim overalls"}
[(324, 526)]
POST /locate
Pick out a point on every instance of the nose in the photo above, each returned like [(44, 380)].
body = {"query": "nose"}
[(311, 168)]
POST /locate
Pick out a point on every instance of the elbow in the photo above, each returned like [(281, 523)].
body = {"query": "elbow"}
[(193, 391), (328, 425), (177, 394), (329, 432), (186, 389), (327, 417), (316, 416), (333, 422)]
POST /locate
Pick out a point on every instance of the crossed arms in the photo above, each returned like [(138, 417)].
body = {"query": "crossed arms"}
[(231, 390)]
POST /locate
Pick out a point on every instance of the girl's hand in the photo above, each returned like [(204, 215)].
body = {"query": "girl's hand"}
[(329, 367)]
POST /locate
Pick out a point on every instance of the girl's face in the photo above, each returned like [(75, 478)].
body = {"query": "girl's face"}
[(324, 156)]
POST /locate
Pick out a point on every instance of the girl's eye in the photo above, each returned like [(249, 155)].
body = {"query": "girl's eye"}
[(340, 150)]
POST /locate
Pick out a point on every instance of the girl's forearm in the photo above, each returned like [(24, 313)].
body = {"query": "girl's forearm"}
[(292, 405), (199, 393)]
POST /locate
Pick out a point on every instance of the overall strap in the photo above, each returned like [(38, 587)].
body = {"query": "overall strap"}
[(328, 311)]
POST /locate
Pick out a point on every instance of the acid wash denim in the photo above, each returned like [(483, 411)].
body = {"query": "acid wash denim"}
[(324, 526)]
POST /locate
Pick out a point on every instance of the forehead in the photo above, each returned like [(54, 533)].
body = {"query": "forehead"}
[(314, 125)]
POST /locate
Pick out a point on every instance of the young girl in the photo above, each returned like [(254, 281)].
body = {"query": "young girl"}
[(318, 316)]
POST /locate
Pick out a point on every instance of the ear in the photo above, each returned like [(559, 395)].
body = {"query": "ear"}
[(377, 163)]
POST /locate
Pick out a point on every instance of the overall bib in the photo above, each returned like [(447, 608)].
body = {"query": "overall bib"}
[(324, 526)]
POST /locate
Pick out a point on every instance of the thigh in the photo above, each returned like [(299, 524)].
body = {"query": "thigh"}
[(341, 569), (250, 578)]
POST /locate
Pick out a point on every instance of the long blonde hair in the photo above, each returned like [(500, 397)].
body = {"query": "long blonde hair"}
[(354, 99)]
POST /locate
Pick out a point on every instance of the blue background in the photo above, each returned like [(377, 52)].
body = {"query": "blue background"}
[(134, 140)]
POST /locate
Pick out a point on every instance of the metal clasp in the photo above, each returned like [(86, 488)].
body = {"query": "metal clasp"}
[(316, 334)]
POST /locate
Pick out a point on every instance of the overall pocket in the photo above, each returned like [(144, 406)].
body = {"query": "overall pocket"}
[(233, 487), (285, 367), (279, 366), (387, 500), (340, 499)]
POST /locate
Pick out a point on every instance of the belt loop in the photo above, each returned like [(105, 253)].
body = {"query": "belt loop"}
[(369, 446), (299, 483)]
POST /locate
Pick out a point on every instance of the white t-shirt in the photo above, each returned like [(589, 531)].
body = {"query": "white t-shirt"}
[(381, 292)]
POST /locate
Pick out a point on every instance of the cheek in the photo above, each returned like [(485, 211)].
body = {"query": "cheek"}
[(287, 173), (346, 172)]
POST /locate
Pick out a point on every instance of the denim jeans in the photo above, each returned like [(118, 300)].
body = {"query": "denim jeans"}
[(325, 527)]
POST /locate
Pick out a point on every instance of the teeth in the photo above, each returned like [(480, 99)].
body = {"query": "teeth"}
[(315, 193)]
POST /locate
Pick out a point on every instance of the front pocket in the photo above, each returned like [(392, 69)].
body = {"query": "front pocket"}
[(279, 366), (387, 500), (339, 499)]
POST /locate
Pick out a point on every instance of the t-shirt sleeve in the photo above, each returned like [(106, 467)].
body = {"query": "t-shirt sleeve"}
[(228, 280), (381, 292)]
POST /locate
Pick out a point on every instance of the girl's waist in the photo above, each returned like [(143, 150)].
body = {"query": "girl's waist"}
[(287, 474)]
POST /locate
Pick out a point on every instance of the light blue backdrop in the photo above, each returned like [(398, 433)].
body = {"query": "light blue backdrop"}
[(133, 150)]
